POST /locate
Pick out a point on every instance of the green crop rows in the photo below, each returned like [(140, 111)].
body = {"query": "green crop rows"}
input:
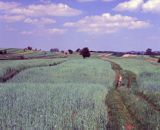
[(7, 65), (67, 96)]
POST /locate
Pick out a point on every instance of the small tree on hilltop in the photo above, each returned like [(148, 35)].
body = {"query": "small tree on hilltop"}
[(29, 48), (54, 50), (85, 52), (149, 51), (78, 50), (70, 51)]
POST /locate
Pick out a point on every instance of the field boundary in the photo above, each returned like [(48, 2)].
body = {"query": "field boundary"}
[(10, 73)]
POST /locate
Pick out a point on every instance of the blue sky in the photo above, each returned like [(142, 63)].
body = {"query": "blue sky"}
[(120, 25)]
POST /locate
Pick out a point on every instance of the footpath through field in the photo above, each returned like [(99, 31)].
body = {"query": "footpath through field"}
[(121, 115)]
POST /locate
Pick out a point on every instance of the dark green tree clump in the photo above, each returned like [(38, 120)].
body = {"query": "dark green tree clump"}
[(85, 52), (70, 51), (3, 52)]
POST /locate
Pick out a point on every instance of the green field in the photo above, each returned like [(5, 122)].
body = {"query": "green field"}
[(79, 94), (70, 95), (7, 65)]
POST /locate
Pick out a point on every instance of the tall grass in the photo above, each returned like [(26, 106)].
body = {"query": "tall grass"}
[(68, 96)]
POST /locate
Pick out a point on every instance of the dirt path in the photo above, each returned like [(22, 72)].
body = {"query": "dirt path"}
[(10, 73), (119, 114)]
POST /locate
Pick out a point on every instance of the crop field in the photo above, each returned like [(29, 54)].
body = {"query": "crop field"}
[(8, 65), (68, 96), (19, 54), (96, 93)]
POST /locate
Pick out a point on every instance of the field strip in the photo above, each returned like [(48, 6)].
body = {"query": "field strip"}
[(13, 72)]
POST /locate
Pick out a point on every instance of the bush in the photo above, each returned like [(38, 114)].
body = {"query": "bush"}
[(29, 48), (70, 51), (54, 50), (85, 52), (148, 51), (78, 50), (158, 60), (3, 52)]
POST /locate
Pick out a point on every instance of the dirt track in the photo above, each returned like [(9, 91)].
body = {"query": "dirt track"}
[(119, 114)]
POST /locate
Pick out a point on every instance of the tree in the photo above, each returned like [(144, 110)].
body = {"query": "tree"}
[(158, 60), (78, 50), (3, 52), (85, 52), (149, 51), (29, 48), (54, 50), (70, 51)]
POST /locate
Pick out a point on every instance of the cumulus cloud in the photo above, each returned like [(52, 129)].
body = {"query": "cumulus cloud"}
[(107, 23), (12, 18), (132, 5), (151, 6), (8, 5), (129, 5), (49, 31), (50, 9), (40, 21)]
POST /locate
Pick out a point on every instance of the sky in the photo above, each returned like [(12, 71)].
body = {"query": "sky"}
[(118, 25)]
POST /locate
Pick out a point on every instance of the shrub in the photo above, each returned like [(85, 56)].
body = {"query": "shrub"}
[(85, 52), (70, 51), (54, 50), (29, 48), (3, 52), (22, 57), (78, 50), (149, 51)]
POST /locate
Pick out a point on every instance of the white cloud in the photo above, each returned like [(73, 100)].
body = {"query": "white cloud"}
[(151, 6), (107, 23), (132, 5), (41, 21), (55, 31), (11, 18), (44, 31), (49, 9), (8, 5), (129, 5)]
